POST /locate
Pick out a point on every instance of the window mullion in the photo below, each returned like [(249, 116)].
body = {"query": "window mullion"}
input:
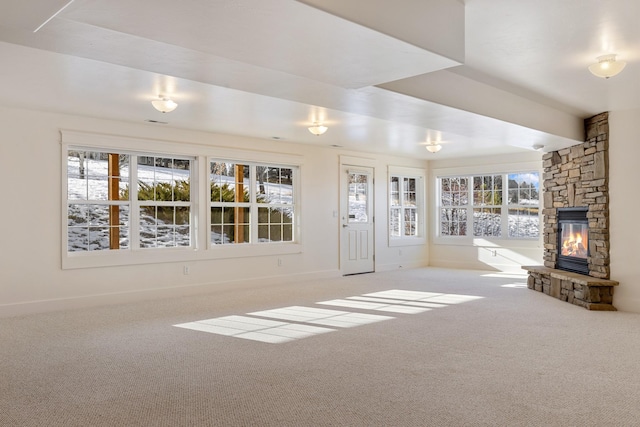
[(505, 207), (401, 190), (134, 214), (253, 206)]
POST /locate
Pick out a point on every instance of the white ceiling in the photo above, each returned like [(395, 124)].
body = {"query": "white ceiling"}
[(485, 76)]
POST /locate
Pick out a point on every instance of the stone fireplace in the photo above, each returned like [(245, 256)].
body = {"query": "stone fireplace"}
[(578, 177), (576, 222)]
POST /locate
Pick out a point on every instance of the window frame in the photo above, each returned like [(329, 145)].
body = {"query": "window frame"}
[(470, 172), (133, 203), (202, 152), (254, 205), (419, 175)]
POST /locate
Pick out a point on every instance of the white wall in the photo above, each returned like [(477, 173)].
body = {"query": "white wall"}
[(499, 255), (624, 207), (31, 277)]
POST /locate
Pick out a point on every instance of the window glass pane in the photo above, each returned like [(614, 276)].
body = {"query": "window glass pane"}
[(275, 233), (524, 222), (358, 208), (271, 226), (287, 233), (274, 185), (394, 222), (163, 179), (287, 215), (89, 227), (487, 222), (526, 186), (286, 186), (229, 182), (524, 200), (89, 177), (230, 225), (410, 222), (394, 191), (453, 222), (409, 192), (165, 237), (263, 233), (183, 236)]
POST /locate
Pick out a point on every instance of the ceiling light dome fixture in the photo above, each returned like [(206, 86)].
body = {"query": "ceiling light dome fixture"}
[(607, 66), (433, 147), (317, 129), (164, 104)]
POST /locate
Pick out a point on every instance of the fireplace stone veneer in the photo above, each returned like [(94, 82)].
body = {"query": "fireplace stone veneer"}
[(577, 177)]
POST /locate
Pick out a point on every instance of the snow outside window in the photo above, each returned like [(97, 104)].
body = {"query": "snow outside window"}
[(121, 201), (524, 205), (251, 203), (483, 204)]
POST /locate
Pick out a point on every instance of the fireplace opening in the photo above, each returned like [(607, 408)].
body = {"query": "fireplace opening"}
[(573, 240)]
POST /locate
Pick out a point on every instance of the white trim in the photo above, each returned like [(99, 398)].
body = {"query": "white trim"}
[(54, 304), (128, 144)]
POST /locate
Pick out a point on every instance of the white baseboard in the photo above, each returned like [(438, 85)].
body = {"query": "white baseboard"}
[(399, 266), (85, 301)]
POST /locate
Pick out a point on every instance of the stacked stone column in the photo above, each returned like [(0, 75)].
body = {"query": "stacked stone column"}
[(579, 176)]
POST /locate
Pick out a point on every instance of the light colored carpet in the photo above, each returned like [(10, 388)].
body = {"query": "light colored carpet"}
[(514, 357)]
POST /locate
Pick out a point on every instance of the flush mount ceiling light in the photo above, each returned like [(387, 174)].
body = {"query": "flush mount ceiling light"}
[(607, 66), (433, 147), (164, 104), (317, 129)]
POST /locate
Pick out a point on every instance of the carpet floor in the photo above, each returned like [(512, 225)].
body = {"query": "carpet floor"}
[(419, 347)]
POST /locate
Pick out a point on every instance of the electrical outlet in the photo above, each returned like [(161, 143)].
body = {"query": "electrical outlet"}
[(185, 270), (279, 262)]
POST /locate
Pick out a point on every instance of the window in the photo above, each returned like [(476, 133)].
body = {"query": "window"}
[(487, 206), (406, 205), (164, 201), (128, 201), (454, 200), (119, 201), (524, 205), (98, 204), (483, 204), (251, 203)]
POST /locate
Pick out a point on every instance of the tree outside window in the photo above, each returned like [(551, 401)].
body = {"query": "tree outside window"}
[(251, 203)]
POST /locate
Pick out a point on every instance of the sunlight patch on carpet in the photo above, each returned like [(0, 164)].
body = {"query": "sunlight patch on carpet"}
[(367, 305), (254, 329), (429, 297), (319, 316), (278, 327), (515, 285)]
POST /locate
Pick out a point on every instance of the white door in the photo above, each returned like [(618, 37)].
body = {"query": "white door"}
[(356, 220)]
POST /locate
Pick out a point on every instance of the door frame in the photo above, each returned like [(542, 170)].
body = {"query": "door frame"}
[(355, 162)]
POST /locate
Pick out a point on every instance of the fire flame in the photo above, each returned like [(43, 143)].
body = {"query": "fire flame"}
[(572, 246)]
